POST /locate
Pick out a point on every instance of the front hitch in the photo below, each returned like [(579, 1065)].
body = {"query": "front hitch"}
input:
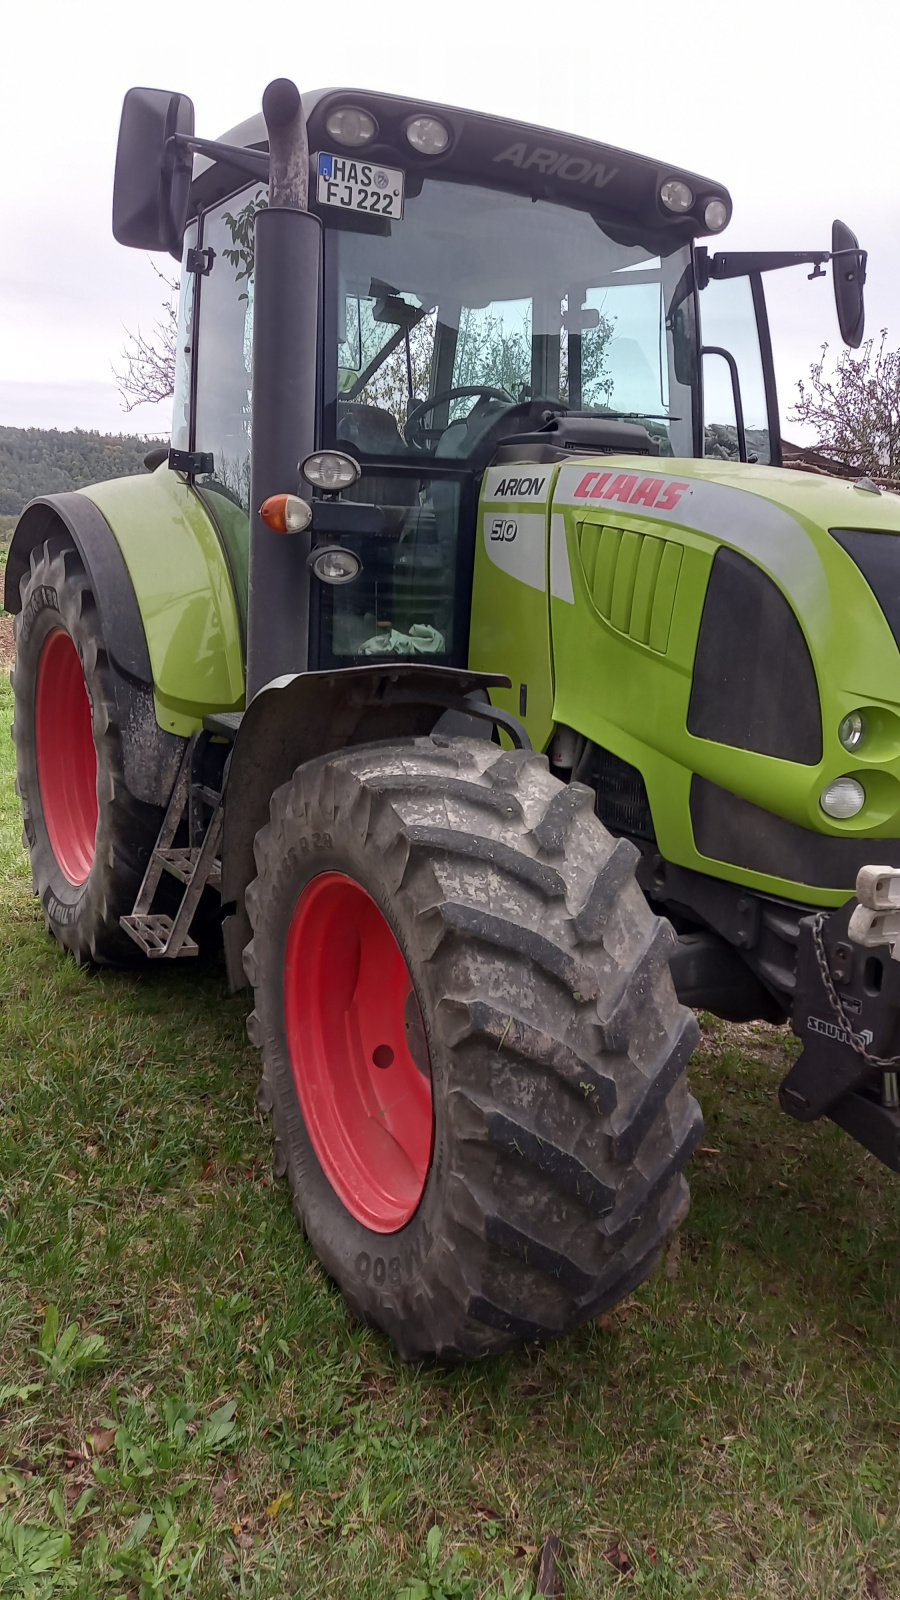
[(846, 1012)]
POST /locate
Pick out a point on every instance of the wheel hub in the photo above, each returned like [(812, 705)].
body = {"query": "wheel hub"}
[(359, 1052), (66, 757)]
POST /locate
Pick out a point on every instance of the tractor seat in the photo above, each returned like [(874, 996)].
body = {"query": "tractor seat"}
[(375, 433)]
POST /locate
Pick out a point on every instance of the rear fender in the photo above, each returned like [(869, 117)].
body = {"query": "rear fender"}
[(297, 718)]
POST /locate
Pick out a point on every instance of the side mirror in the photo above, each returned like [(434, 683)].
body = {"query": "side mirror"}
[(848, 269), (154, 166)]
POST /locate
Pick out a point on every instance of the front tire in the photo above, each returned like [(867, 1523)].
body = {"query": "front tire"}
[(88, 838), (540, 1025)]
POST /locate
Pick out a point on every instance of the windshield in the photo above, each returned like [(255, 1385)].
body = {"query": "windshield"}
[(523, 302)]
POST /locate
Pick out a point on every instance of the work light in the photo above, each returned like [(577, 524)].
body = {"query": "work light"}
[(351, 127), (715, 215), (676, 195), (427, 135), (330, 470), (333, 564)]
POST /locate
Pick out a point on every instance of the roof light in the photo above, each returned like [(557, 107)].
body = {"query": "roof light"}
[(715, 215), (286, 513), (427, 135), (333, 564), (351, 127), (842, 799), (676, 195), (331, 471)]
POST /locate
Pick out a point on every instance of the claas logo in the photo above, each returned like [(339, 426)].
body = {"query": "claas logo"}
[(631, 490)]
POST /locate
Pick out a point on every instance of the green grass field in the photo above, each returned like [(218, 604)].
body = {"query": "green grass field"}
[(186, 1407)]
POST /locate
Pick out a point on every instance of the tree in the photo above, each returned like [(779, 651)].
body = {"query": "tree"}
[(148, 373), (855, 411)]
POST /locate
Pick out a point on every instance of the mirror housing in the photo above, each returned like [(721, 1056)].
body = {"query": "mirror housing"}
[(154, 166), (848, 267)]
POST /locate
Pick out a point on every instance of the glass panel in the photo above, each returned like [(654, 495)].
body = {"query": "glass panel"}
[(225, 344), (403, 603), (184, 343), (478, 288), (728, 318)]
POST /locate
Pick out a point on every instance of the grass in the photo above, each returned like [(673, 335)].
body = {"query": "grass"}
[(187, 1408)]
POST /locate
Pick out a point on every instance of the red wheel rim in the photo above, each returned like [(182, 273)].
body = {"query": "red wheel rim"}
[(358, 1052), (66, 757)]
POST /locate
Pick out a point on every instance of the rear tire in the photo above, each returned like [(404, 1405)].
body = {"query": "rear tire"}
[(89, 839), (556, 1045)]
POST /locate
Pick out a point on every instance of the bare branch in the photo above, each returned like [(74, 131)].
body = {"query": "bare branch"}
[(855, 409), (147, 374)]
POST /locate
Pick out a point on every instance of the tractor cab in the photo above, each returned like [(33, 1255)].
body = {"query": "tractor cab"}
[(484, 289), (484, 292)]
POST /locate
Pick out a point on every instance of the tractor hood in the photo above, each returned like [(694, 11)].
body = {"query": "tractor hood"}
[(711, 625)]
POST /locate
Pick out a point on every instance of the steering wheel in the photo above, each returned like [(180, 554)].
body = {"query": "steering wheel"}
[(414, 433)]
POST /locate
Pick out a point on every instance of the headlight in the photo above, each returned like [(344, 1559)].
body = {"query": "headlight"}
[(427, 135), (331, 471), (333, 564), (351, 127), (852, 730), (676, 195), (842, 799), (715, 215)]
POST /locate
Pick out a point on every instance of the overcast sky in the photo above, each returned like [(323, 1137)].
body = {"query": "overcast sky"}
[(792, 105)]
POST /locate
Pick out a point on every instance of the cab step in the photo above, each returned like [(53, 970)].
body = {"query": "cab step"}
[(153, 933), (196, 809)]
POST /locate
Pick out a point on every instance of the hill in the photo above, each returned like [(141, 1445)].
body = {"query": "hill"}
[(45, 461)]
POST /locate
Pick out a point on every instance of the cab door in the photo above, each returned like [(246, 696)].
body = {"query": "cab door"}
[(736, 345)]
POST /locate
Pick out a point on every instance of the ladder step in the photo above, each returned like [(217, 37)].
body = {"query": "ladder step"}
[(152, 932), (202, 791), (224, 723), (180, 864)]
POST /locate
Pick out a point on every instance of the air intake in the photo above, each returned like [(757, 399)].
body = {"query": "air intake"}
[(632, 579)]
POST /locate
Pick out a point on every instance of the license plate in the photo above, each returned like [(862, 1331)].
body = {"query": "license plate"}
[(359, 185)]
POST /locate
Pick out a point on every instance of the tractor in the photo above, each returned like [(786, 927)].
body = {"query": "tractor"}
[(473, 670)]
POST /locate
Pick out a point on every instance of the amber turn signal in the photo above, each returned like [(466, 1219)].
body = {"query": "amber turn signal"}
[(286, 513)]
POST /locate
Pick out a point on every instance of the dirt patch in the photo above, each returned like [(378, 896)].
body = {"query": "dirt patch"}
[(7, 650)]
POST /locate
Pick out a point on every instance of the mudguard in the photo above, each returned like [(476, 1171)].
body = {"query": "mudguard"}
[(165, 583), (93, 538), (299, 717), (150, 756)]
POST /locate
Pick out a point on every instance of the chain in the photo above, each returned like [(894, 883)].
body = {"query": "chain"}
[(884, 1063)]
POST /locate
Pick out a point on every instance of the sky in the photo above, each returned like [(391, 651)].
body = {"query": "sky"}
[(792, 105)]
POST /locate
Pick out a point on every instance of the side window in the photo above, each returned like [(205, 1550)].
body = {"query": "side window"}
[(184, 350), (225, 343), (728, 319)]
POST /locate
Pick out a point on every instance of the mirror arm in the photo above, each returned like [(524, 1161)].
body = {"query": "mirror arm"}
[(737, 263), (728, 358), (253, 162)]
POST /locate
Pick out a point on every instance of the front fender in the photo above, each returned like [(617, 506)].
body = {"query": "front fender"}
[(297, 718), (183, 581), (164, 585)]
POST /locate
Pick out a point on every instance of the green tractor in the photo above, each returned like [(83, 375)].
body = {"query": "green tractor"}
[(473, 664)]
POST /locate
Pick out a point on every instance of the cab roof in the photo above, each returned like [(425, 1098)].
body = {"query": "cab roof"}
[(615, 184)]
